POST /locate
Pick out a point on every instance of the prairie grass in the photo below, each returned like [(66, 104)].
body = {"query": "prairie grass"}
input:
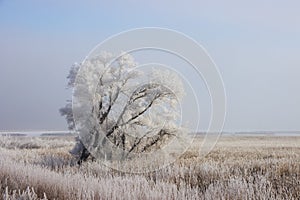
[(239, 167)]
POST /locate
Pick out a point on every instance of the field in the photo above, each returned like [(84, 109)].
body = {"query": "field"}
[(239, 167)]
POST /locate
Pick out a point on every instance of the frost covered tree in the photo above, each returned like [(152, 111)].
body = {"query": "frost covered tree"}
[(129, 111), (66, 111)]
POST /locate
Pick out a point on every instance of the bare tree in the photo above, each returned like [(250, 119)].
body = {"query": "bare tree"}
[(131, 111)]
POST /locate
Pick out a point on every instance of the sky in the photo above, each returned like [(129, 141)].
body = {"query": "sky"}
[(255, 45)]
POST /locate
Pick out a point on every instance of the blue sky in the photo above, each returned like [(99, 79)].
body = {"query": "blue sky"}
[(255, 44)]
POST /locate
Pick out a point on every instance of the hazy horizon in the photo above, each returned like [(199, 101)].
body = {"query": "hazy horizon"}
[(254, 44)]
